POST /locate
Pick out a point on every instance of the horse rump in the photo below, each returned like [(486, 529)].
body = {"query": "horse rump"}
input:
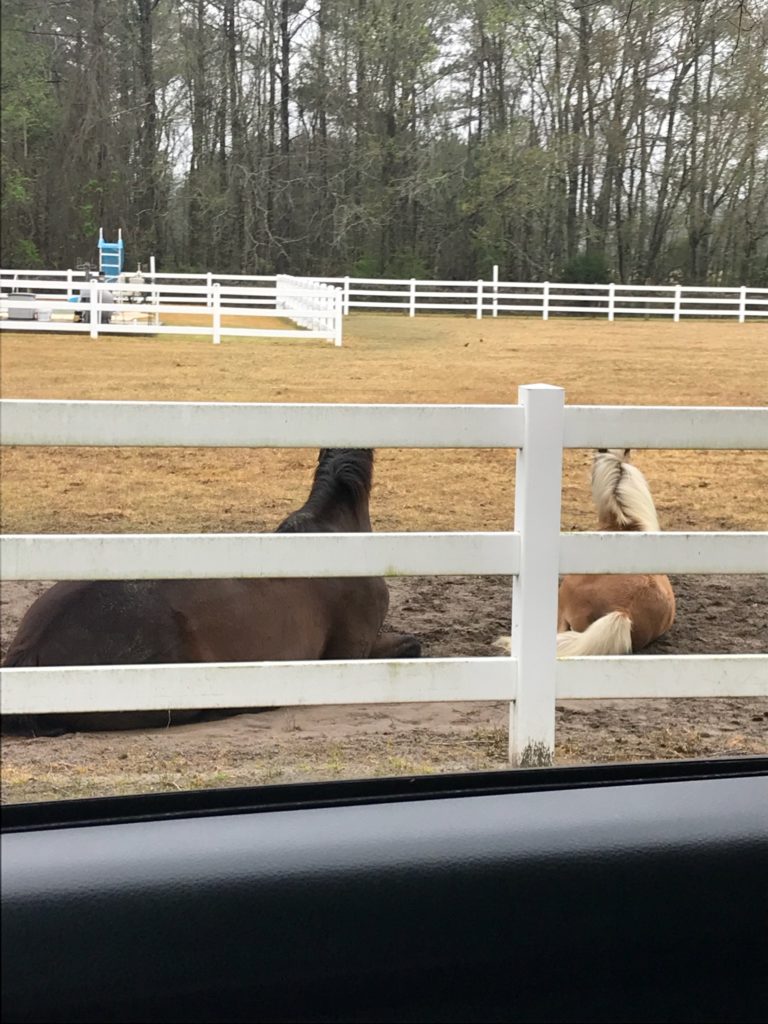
[(97, 623)]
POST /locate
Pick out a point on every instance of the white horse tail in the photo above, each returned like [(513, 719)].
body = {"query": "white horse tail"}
[(610, 634), (621, 493)]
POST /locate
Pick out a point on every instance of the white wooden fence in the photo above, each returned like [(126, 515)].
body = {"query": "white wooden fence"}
[(311, 302), (533, 553), (480, 297), (144, 308), (545, 298)]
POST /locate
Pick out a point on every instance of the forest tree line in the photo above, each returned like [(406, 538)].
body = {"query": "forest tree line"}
[(582, 140)]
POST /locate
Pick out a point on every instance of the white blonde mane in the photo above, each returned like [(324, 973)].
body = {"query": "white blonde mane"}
[(621, 493)]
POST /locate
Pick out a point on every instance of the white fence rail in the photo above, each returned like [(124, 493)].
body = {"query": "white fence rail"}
[(533, 553), (482, 298), (185, 556), (211, 685), (150, 307), (299, 425)]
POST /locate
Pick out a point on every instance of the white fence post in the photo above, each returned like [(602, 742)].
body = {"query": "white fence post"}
[(209, 289), (495, 289), (69, 284), (337, 307), (611, 300), (742, 303), (545, 301), (412, 304), (678, 297), (94, 303), (345, 309), (216, 291), (538, 485), (479, 312), (154, 297)]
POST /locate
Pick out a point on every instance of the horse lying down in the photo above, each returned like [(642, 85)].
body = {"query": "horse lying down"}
[(610, 613), (176, 621)]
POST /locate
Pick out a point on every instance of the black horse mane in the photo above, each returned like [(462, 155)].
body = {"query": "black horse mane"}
[(343, 477)]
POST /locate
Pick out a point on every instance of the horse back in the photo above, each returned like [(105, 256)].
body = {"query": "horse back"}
[(288, 619)]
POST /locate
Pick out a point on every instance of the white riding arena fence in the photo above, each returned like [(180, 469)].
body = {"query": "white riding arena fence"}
[(534, 552), (482, 298), (48, 302), (311, 303), (545, 299)]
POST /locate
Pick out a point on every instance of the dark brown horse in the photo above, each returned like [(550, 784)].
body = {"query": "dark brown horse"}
[(176, 621)]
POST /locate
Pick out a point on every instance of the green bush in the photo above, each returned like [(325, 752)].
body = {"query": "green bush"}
[(26, 253), (587, 268)]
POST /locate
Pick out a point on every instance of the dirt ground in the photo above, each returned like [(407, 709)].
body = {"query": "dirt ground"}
[(388, 358)]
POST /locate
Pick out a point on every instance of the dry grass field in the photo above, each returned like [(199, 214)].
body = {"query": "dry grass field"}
[(430, 359), (389, 358)]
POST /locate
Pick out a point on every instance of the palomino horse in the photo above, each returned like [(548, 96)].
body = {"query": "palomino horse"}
[(177, 621), (611, 613)]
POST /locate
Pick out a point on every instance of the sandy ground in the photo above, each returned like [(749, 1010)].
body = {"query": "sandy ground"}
[(453, 617), (430, 359)]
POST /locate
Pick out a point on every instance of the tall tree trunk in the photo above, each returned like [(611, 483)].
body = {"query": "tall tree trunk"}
[(147, 213), (237, 167), (198, 235)]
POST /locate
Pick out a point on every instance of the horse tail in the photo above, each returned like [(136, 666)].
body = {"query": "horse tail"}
[(621, 492), (610, 634)]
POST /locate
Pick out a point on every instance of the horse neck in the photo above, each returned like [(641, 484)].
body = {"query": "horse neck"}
[(338, 501), (346, 517), (610, 524), (341, 489), (623, 498)]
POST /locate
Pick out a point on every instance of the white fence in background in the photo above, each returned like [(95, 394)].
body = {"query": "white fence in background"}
[(533, 553), (481, 297), (546, 299), (320, 304), (152, 306)]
